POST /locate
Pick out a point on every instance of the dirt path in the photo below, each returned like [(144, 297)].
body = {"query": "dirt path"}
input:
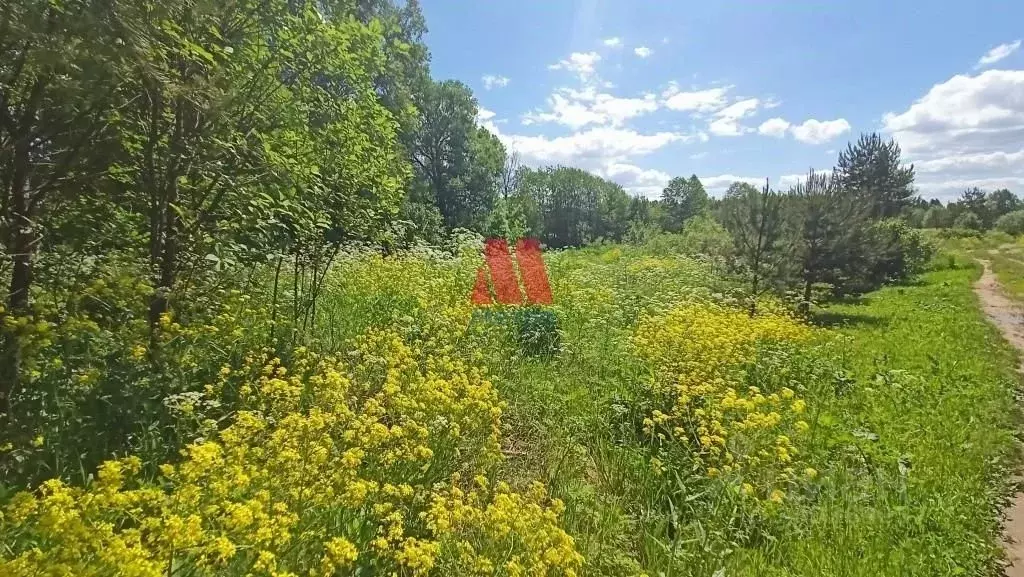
[(1010, 320)]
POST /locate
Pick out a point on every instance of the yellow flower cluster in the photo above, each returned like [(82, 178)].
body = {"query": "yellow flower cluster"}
[(697, 353), (330, 466), (519, 526)]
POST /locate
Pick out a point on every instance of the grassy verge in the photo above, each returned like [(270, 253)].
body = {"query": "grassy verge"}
[(914, 436), (916, 485)]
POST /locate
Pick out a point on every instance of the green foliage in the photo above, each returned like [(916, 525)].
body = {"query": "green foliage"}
[(1011, 223), (756, 221), (898, 252), (537, 330), (970, 221), (832, 239), (570, 207), (682, 200), (98, 382), (458, 164), (871, 170), (998, 203), (209, 217), (935, 217)]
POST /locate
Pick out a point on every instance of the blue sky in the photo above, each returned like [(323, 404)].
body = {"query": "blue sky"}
[(641, 91)]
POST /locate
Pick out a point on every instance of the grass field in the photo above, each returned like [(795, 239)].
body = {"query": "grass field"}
[(912, 404), (670, 433)]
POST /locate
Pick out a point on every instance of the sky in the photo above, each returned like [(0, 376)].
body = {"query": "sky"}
[(639, 91)]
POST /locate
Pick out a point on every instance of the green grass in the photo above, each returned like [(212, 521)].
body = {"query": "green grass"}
[(916, 415), (916, 487), (910, 423)]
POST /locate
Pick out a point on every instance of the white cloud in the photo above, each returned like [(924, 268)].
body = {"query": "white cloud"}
[(818, 132), (595, 147), (642, 51), (483, 115), (580, 63), (964, 113), (997, 54), (707, 100), (578, 108), (776, 127), (603, 150), (727, 120), (717, 185), (614, 41), (966, 131), (492, 81), (973, 161), (637, 180)]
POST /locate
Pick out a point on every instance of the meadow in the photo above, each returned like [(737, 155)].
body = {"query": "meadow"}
[(644, 424)]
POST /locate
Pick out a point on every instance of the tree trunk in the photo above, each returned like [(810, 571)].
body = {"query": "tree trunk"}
[(805, 305), (753, 293), (167, 260), (21, 242)]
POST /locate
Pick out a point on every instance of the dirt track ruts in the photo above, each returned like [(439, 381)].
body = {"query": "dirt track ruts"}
[(1009, 318)]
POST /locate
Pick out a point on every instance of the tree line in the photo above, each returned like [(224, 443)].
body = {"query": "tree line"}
[(840, 230), (975, 210), (193, 135)]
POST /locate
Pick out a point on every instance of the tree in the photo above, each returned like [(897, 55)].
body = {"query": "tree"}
[(571, 207), (871, 170), (972, 200), (405, 72), (1011, 223), (895, 252), (915, 216), (935, 217), (683, 199), (831, 242), (458, 162), (969, 220), (60, 70), (999, 202), (756, 221)]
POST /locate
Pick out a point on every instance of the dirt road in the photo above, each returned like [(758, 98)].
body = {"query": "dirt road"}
[(1009, 318)]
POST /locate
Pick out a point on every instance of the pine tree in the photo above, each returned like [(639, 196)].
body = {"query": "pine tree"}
[(871, 171), (755, 220)]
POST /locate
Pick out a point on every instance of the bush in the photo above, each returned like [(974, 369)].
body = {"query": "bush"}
[(959, 232), (706, 419), (1011, 223), (898, 251), (701, 235), (370, 463), (968, 220), (537, 328), (96, 381)]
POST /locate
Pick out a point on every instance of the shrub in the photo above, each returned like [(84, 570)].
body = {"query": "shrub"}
[(700, 235), (537, 329), (706, 417), (959, 232), (898, 251), (96, 381), (1011, 223), (968, 220), (369, 464)]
